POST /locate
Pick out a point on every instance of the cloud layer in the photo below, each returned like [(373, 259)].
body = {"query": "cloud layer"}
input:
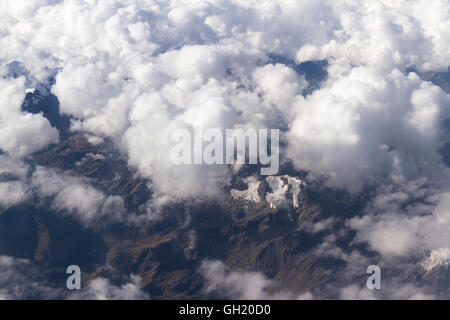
[(136, 70)]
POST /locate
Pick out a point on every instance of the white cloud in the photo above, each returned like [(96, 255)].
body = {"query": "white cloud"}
[(76, 197), (21, 133), (409, 224), (243, 285), (134, 71), (62, 192), (386, 35), (20, 279), (12, 189), (398, 292), (359, 126), (11, 194), (103, 289)]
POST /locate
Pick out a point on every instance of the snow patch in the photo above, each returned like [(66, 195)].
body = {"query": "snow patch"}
[(251, 194), (438, 257), (285, 191)]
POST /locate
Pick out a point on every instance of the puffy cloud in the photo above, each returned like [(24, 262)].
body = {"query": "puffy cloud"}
[(355, 292), (135, 71), (401, 292), (280, 86), (401, 223), (76, 197), (357, 128), (11, 193), (21, 133), (103, 289), (12, 189), (61, 192), (386, 35), (243, 285), (20, 279), (381, 33)]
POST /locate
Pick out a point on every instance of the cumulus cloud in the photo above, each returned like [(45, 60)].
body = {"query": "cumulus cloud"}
[(103, 289), (386, 35), (348, 281), (401, 292), (135, 71), (405, 220), (65, 194), (359, 126), (12, 189), (76, 197), (21, 133), (20, 279), (219, 279), (11, 194)]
